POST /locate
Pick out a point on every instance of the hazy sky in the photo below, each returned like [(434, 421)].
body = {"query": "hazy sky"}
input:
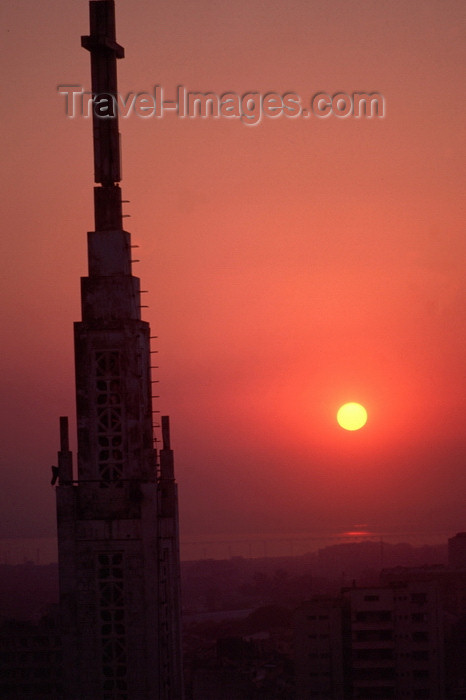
[(290, 266)]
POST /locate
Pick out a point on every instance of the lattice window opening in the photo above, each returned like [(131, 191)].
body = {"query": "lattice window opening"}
[(113, 456), (111, 571), (113, 441), (108, 382), (114, 559), (113, 652), (115, 672), (107, 363), (109, 416), (113, 659), (105, 400), (110, 575), (109, 388), (109, 420), (111, 594), (112, 623), (113, 629), (117, 696), (113, 617), (109, 475), (117, 684), (113, 643), (108, 399)]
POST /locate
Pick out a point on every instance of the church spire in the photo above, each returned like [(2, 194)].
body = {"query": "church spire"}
[(118, 520), (110, 291)]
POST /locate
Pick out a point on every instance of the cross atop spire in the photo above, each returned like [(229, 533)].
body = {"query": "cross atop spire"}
[(104, 50)]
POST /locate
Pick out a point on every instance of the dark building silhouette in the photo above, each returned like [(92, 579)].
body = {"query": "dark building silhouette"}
[(118, 516), (31, 660), (322, 649), (405, 638), (457, 551)]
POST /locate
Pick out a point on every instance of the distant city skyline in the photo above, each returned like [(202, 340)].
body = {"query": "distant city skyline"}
[(224, 546)]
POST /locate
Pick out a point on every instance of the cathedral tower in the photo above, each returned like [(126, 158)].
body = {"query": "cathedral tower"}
[(118, 516)]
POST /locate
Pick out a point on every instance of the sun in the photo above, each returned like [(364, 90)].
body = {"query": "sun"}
[(352, 416)]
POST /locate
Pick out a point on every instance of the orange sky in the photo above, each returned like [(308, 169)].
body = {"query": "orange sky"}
[(290, 267)]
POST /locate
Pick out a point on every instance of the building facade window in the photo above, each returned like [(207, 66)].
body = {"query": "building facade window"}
[(109, 416), (112, 625)]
